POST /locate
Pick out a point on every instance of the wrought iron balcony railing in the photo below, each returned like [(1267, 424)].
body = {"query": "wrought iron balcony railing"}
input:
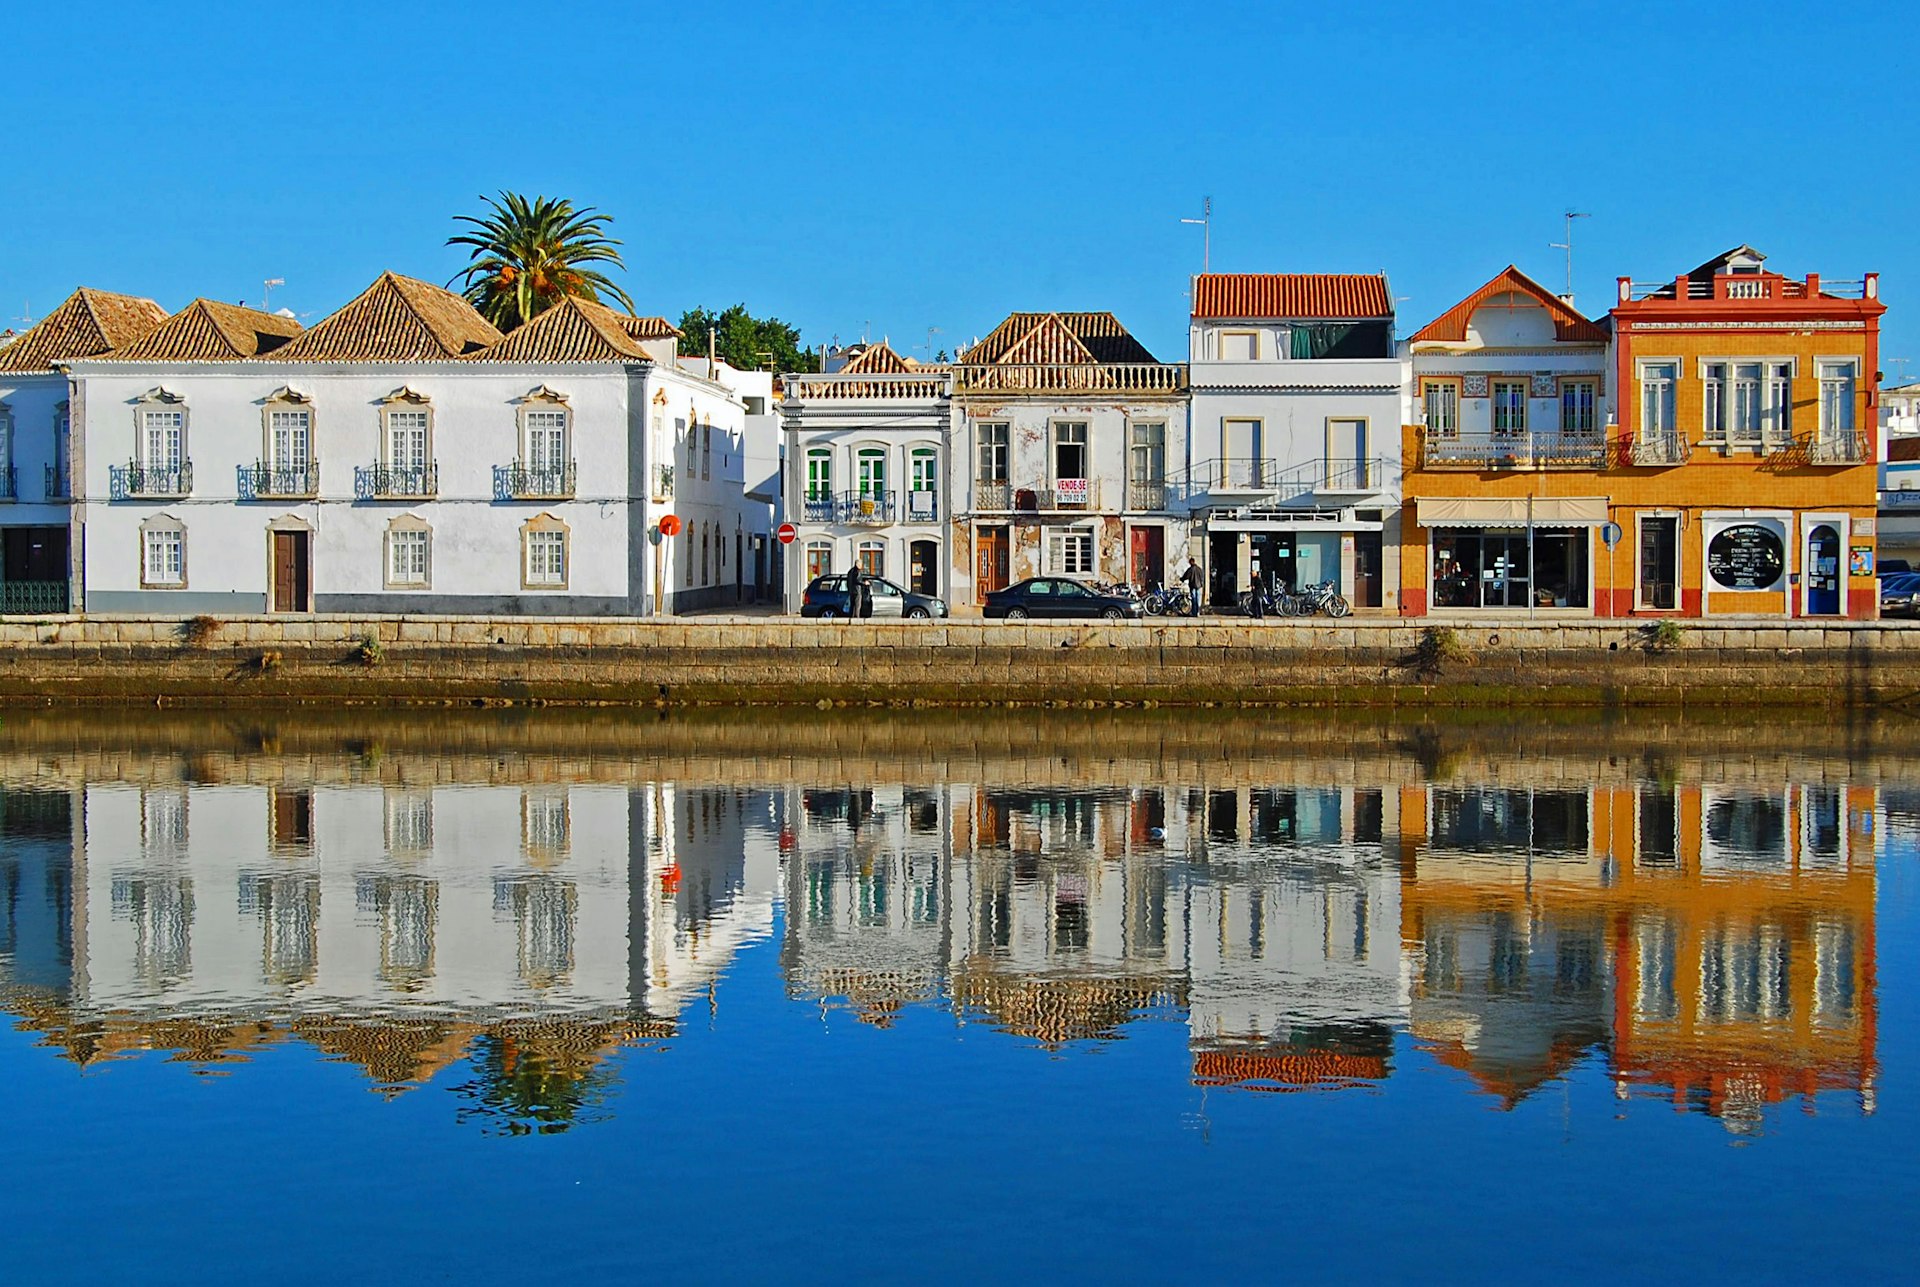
[(1066, 494), (24, 597), (521, 481), (396, 482), (1836, 448), (9, 490), (1661, 449), (867, 507), (264, 481), (58, 485), (1143, 495), (138, 481), (1550, 450)]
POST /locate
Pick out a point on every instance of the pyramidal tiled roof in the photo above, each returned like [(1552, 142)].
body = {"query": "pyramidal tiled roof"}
[(578, 330), (1568, 326), (210, 331), (879, 359), (91, 323), (1340, 297), (1058, 338), (397, 319)]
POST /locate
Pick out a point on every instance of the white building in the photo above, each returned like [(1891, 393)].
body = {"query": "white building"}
[(867, 457), (403, 456), (1296, 421), (36, 557), (1066, 430)]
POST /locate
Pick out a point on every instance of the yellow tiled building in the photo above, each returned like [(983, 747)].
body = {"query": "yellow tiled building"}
[(1721, 463)]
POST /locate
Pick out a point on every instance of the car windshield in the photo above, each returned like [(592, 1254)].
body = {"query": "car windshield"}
[(1900, 582)]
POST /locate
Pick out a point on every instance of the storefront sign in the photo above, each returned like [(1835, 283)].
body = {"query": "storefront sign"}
[(1860, 561), (1746, 556)]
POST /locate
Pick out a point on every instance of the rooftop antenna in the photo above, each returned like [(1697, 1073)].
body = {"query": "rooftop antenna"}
[(1206, 232), (1567, 246), (26, 313), (931, 332), (266, 292)]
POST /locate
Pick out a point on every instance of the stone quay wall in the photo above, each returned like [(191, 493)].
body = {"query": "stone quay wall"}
[(433, 660)]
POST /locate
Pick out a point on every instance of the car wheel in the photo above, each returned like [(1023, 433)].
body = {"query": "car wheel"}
[(918, 614), (1112, 614), (828, 614), (1016, 614)]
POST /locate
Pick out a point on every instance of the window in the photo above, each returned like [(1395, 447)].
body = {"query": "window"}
[(1441, 399), (706, 451), (1147, 454), (409, 821), (163, 561), (1657, 399), (686, 563), (1070, 551), (290, 437), (1579, 406), (1510, 406), (1777, 418), (1744, 425), (1070, 449), (993, 453), (706, 557), (923, 498), (1239, 346), (1836, 399), (547, 441), (163, 438), (406, 440), (870, 471), (546, 829), (819, 558), (819, 473), (6, 436), (408, 555), (872, 556), (1713, 396), (545, 542)]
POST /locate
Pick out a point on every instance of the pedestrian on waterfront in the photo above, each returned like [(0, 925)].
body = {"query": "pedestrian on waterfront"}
[(1193, 581), (856, 592), (1258, 606)]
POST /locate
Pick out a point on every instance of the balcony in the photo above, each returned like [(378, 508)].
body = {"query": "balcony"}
[(1658, 451), (32, 597), (58, 484), (663, 482), (871, 507), (1240, 479), (138, 482), (396, 482), (1067, 495), (1482, 452), (1150, 497), (519, 481), (1070, 377), (1837, 449), (263, 481), (9, 489)]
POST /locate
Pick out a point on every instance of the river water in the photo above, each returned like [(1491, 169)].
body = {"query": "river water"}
[(1147, 997)]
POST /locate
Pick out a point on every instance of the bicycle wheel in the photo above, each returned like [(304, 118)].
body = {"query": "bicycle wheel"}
[(1337, 606), (1153, 605)]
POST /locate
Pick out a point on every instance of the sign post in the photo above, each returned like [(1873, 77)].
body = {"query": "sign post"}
[(787, 533), (1610, 533)]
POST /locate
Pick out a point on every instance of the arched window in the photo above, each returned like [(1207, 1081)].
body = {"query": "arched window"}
[(870, 471), (686, 555), (819, 558), (873, 557), (409, 561), (706, 550), (406, 446), (545, 558)]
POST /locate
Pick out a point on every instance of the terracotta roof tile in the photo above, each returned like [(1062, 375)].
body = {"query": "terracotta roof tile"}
[(1287, 296), (573, 330), (397, 319), (1076, 337), (210, 331), (90, 323), (879, 359), (1568, 326), (648, 328)]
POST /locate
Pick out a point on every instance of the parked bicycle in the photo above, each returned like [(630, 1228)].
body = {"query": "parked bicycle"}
[(1168, 600), (1311, 601)]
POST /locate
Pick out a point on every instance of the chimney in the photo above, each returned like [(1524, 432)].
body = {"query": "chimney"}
[(713, 342)]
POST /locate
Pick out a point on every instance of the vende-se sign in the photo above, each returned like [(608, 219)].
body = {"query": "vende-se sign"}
[(1070, 491)]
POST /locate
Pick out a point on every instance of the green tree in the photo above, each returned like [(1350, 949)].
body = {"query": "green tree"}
[(528, 255), (746, 342)]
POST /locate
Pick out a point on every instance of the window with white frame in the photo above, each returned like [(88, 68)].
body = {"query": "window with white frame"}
[(406, 439), (1070, 551), (409, 555), (706, 451), (1579, 406), (706, 556), (1441, 399), (1510, 406), (1777, 416), (290, 437), (923, 475), (546, 555), (1745, 405), (1147, 452), (870, 471), (1657, 384), (163, 553), (409, 821), (547, 439), (819, 473), (1713, 401), (6, 437), (1836, 399), (1070, 456), (819, 558), (163, 438), (686, 561), (993, 440), (872, 556)]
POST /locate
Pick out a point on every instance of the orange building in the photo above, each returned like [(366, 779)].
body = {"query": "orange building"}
[(1721, 464)]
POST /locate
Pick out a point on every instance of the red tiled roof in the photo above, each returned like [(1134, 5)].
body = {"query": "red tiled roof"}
[(395, 319), (91, 323), (1287, 296), (878, 360), (574, 330), (1568, 326), (210, 331), (1058, 338)]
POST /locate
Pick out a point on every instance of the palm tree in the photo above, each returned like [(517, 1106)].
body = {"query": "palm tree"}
[(528, 255)]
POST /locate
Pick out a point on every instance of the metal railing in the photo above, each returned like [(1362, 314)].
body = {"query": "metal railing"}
[(1744, 286), (396, 482), (1555, 450), (1047, 377), (923, 507), (820, 507), (9, 489), (897, 386), (1662, 449), (1264, 477), (137, 480), (867, 507), (520, 481), (264, 481), (1836, 449), (21, 597), (1143, 495), (58, 485), (999, 497)]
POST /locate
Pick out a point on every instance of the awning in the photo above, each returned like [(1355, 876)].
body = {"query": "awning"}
[(1489, 511)]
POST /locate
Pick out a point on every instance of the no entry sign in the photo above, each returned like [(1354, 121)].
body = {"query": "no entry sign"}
[(787, 532)]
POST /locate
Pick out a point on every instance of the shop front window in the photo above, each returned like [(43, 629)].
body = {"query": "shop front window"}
[(1502, 568)]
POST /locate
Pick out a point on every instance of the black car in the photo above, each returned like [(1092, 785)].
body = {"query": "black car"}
[(826, 596), (1059, 596), (1900, 594)]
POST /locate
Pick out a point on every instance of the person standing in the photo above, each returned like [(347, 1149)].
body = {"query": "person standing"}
[(1257, 606), (856, 592), (1194, 582)]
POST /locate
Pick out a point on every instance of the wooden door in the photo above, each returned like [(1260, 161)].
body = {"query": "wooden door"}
[(1148, 564), (290, 572), (991, 556)]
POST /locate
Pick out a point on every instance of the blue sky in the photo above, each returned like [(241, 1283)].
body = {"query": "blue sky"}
[(896, 167)]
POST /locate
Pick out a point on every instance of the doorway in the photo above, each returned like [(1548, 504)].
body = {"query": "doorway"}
[(292, 572), (1223, 564), (923, 567), (1368, 582), (1823, 571), (1147, 557), (991, 549)]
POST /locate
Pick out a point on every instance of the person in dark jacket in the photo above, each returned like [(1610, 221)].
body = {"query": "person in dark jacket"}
[(1194, 582), (1258, 604), (856, 592)]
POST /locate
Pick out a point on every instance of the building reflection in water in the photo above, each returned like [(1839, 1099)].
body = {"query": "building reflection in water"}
[(1711, 945)]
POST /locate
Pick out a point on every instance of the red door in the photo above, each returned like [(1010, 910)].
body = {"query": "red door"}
[(1147, 557)]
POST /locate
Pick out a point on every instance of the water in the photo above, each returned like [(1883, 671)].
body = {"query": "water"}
[(939, 997)]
